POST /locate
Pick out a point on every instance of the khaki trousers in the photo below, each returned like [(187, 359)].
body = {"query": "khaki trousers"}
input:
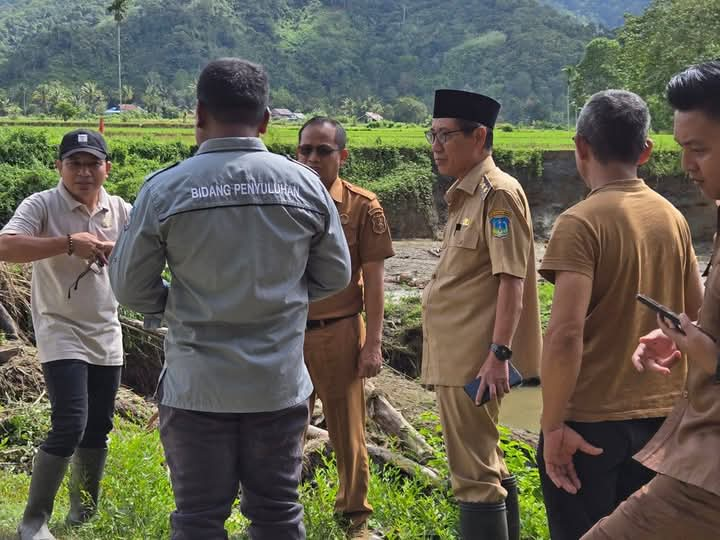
[(471, 439), (331, 356), (663, 509)]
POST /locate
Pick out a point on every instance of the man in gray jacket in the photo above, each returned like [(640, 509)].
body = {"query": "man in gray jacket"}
[(250, 238)]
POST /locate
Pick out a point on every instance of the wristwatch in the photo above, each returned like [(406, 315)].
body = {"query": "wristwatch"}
[(501, 352)]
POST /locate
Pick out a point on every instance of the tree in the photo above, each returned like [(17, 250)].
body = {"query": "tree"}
[(66, 110), (41, 97), (91, 96), (128, 93), (119, 10), (411, 110)]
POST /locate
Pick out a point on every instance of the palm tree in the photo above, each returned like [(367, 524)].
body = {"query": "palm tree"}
[(119, 10), (92, 97), (41, 96)]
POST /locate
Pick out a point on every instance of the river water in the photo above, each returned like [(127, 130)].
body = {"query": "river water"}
[(415, 260)]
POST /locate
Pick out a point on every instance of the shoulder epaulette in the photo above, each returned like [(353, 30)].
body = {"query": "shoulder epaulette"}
[(360, 191), (485, 187), (290, 158), (154, 174)]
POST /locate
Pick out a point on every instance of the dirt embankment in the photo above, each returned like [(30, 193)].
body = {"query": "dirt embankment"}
[(558, 188)]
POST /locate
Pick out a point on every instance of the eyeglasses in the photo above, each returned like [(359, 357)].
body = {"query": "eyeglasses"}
[(441, 137), (80, 165), (95, 266), (322, 150)]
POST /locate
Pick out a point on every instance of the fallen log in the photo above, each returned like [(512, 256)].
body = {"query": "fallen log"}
[(319, 445), (392, 422)]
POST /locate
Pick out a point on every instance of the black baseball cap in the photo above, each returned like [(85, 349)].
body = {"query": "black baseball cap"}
[(83, 140)]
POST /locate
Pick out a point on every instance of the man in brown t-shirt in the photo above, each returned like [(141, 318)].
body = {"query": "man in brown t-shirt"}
[(683, 500), (623, 239), (479, 309), (338, 354)]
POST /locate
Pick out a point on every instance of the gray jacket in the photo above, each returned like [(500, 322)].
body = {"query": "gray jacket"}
[(249, 238)]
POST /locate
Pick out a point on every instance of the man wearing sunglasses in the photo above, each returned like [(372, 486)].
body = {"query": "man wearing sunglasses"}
[(338, 353), (479, 309), (66, 232)]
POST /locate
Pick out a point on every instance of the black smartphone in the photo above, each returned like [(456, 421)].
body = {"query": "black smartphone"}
[(668, 315), (665, 312), (471, 388)]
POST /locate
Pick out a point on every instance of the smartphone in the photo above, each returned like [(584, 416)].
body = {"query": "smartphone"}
[(666, 314), (471, 388)]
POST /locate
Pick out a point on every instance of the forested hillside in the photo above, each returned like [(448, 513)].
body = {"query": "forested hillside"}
[(648, 50), (607, 12), (337, 55)]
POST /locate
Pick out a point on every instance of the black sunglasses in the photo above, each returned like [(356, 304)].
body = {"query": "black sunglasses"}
[(94, 266), (322, 150)]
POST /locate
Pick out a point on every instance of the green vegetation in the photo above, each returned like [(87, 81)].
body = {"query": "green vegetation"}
[(137, 496), (60, 58), (648, 50), (545, 295), (609, 13)]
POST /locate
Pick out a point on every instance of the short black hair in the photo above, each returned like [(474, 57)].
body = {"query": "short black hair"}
[(615, 123), (697, 88), (234, 91), (340, 134), (468, 126)]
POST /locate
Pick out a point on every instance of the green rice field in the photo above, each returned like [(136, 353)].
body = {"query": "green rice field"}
[(358, 136)]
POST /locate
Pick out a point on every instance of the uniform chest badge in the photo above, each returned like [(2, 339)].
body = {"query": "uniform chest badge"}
[(344, 219), (106, 221), (500, 223)]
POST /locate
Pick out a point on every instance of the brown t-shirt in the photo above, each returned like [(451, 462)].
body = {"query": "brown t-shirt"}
[(628, 240), (489, 232), (686, 446), (368, 238)]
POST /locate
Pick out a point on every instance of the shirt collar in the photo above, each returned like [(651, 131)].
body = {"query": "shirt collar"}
[(472, 179), (470, 182), (228, 144), (626, 184), (73, 203), (336, 190)]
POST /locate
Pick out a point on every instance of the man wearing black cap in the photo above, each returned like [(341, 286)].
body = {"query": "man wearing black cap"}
[(68, 232), (479, 309)]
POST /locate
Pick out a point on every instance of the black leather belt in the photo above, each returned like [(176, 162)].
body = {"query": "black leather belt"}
[(322, 323)]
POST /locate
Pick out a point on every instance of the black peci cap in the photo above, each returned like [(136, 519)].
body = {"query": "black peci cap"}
[(83, 140), (466, 106)]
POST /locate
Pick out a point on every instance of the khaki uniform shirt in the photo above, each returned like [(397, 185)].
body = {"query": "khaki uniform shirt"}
[(85, 326), (686, 446), (628, 240), (489, 232), (368, 238)]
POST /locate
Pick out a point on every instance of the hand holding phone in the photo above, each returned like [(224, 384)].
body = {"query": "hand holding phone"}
[(670, 316), (471, 388)]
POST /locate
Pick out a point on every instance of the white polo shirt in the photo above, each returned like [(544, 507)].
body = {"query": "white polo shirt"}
[(86, 326)]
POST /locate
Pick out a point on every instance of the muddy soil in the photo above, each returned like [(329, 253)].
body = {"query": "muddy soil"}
[(415, 261)]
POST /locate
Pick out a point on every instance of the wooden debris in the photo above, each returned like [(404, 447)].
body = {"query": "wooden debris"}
[(390, 421), (319, 445)]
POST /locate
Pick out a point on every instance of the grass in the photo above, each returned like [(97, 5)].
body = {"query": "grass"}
[(137, 496), (358, 136)]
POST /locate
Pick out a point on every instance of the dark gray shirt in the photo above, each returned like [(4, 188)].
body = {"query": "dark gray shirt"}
[(250, 238)]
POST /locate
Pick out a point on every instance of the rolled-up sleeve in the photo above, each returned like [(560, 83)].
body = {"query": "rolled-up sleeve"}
[(328, 267), (138, 259)]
